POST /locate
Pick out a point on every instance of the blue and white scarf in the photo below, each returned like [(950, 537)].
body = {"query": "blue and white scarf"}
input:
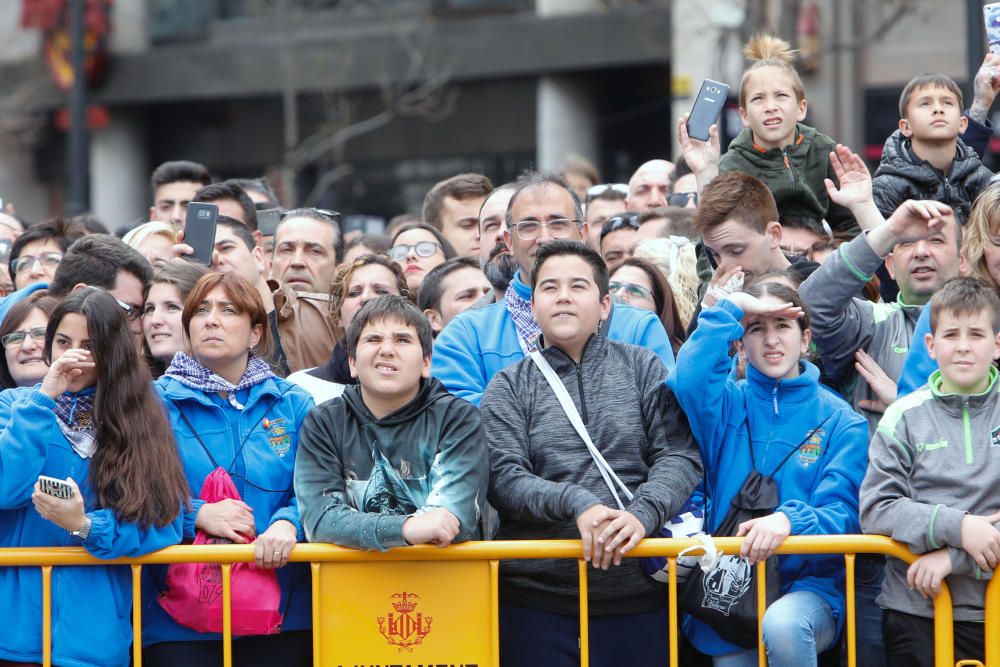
[(75, 415), (186, 370), (524, 320)]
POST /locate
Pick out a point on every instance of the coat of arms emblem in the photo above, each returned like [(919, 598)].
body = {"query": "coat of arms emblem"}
[(406, 627)]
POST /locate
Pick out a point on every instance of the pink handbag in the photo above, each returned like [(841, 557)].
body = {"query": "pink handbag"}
[(194, 590)]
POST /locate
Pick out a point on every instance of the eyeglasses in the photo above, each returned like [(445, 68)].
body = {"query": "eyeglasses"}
[(632, 290), (48, 260), (16, 338), (422, 248), (681, 199), (597, 190), (559, 228)]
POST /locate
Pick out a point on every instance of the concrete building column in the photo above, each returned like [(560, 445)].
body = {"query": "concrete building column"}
[(567, 121), (566, 110), (119, 172)]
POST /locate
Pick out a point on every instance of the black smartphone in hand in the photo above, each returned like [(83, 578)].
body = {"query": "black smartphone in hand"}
[(199, 230), (707, 107)]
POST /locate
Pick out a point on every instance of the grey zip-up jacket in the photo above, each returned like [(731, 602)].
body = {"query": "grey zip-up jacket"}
[(934, 458), (542, 476), (842, 322)]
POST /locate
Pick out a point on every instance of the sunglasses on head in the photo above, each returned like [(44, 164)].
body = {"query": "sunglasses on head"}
[(681, 199), (598, 190)]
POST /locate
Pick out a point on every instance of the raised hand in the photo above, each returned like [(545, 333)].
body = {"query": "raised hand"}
[(751, 305), (69, 366), (699, 155), (916, 220), (883, 385), (855, 179)]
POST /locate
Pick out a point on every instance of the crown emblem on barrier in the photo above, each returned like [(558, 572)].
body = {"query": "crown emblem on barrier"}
[(407, 627)]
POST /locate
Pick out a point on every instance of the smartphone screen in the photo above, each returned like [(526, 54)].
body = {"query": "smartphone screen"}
[(991, 17), (707, 107), (199, 230)]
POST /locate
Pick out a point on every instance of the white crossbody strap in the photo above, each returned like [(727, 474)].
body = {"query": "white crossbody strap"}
[(574, 417)]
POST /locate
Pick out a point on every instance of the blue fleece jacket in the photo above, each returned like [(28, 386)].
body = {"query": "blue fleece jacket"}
[(481, 342), (258, 447), (918, 365), (817, 487), (91, 605)]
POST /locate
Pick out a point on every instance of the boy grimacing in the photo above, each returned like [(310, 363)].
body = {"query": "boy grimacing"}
[(931, 479), (396, 459)]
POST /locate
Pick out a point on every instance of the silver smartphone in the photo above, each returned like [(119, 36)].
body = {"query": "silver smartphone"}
[(55, 487)]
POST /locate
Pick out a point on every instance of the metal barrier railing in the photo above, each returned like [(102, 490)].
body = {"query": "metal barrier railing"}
[(493, 552)]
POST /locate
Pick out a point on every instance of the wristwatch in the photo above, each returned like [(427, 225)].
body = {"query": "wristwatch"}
[(83, 532)]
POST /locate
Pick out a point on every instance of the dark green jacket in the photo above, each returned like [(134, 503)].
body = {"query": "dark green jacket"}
[(794, 174), (358, 478)]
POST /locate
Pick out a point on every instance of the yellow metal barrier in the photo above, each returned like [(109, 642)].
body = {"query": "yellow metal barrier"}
[(491, 553)]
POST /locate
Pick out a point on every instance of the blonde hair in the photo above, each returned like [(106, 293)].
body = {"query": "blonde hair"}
[(982, 223), (682, 278), (770, 51), (143, 232)]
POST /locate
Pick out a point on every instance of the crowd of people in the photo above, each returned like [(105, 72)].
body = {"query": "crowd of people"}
[(759, 343)]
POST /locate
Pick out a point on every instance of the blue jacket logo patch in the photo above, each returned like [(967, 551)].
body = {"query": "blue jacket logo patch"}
[(277, 436), (810, 451)]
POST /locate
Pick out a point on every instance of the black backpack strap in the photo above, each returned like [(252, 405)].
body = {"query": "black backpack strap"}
[(799, 446), (193, 430)]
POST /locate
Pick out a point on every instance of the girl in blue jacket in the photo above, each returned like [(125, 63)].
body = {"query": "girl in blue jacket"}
[(779, 405), (228, 410), (95, 422)]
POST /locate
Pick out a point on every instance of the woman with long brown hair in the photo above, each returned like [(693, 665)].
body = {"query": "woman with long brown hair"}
[(95, 423), (228, 410)]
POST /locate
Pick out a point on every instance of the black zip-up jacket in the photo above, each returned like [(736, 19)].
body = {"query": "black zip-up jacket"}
[(902, 175), (542, 476)]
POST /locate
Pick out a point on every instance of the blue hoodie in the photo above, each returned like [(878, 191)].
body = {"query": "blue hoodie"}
[(479, 343), (918, 365), (91, 604), (817, 488), (269, 425)]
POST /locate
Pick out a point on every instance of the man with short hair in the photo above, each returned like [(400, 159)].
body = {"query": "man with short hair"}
[(619, 236), (99, 260), (738, 222), (452, 207), (232, 201), (37, 252), (495, 259), (480, 342), (449, 289), (308, 246), (649, 185), (603, 201), (174, 186)]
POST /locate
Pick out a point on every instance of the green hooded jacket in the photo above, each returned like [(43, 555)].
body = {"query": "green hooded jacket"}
[(794, 174)]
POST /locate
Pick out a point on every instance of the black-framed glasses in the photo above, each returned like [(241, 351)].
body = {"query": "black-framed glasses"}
[(632, 290), (16, 338), (424, 249), (559, 228), (596, 191), (681, 199), (49, 260)]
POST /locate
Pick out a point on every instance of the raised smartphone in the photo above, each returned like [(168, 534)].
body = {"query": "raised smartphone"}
[(991, 17), (199, 230), (707, 107)]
